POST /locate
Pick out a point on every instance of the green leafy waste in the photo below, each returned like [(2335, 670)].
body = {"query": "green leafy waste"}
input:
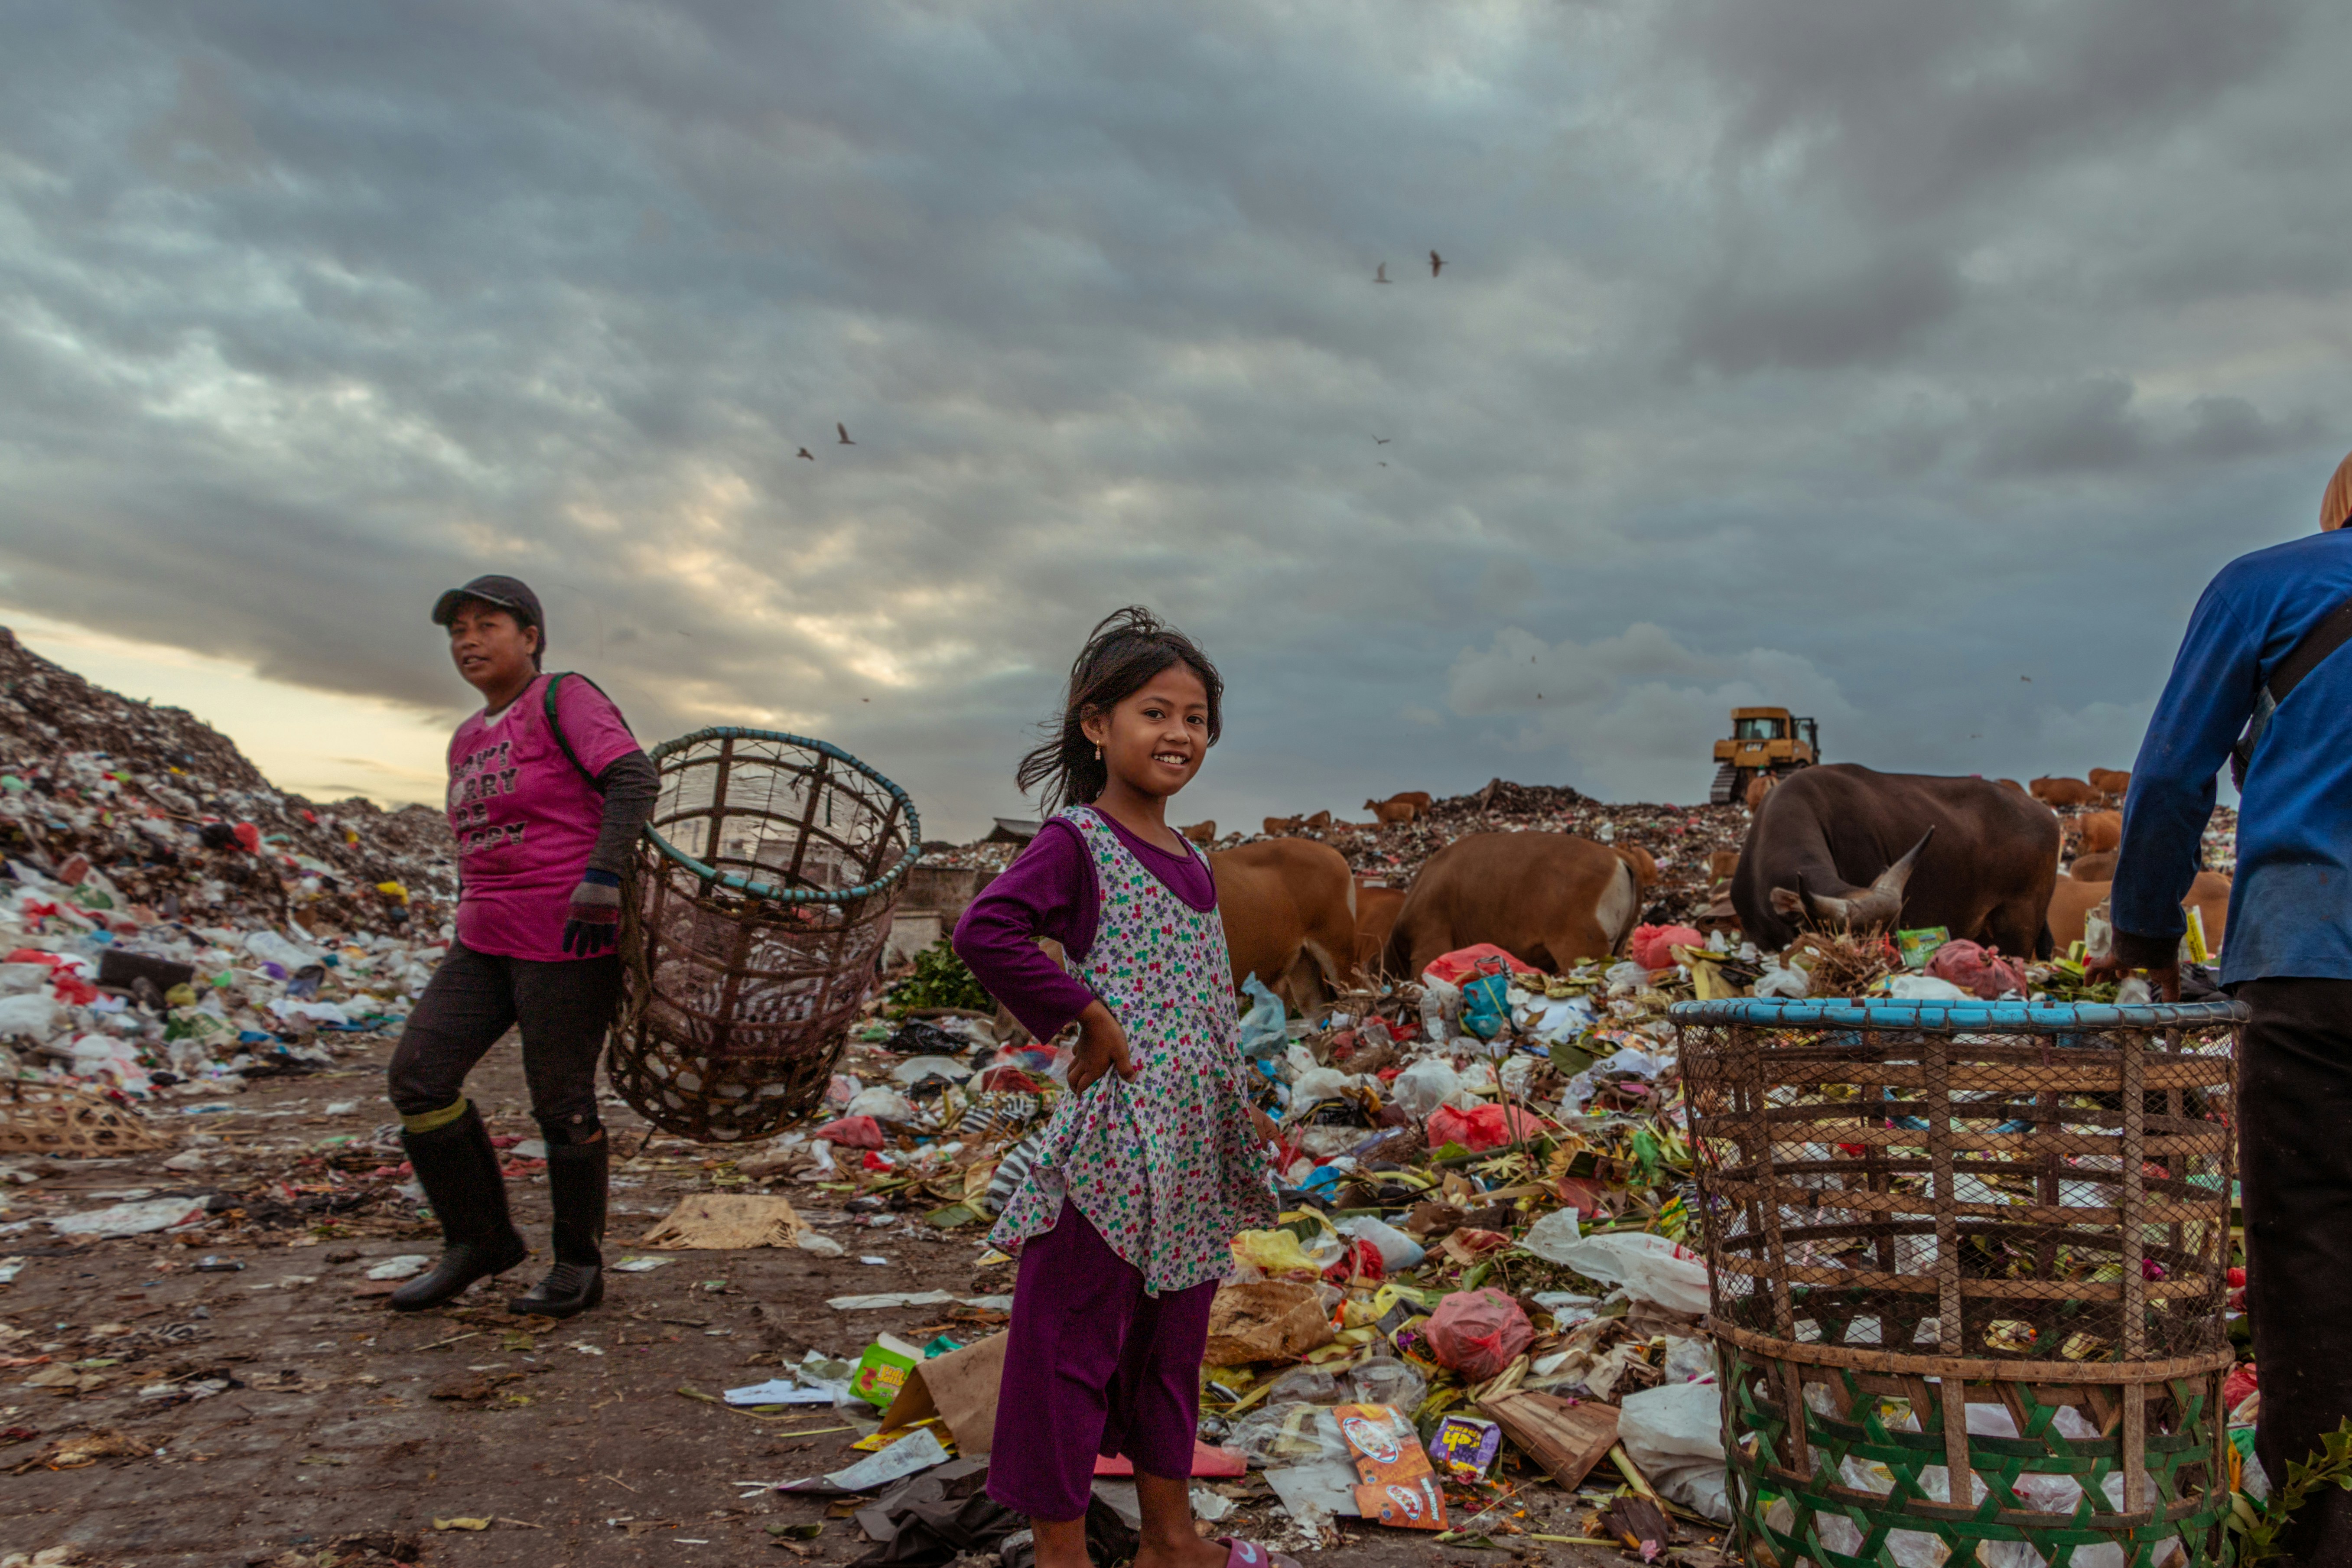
[(939, 980), (2263, 1526)]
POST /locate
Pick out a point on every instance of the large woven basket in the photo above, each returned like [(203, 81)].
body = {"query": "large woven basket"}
[(755, 923), (1916, 1208)]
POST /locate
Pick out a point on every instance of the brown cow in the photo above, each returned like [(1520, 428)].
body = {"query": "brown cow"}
[(2112, 783), (2013, 784), (1289, 909), (1721, 864), (2072, 902), (1547, 898), (1279, 825), (1393, 811), (1645, 865), (1758, 788), (1421, 799), (1201, 832), (2063, 791), (2099, 868), (1843, 846), (2098, 831), (1376, 915)]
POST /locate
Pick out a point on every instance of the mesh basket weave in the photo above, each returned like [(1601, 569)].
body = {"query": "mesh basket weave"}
[(758, 910), (1911, 1208)]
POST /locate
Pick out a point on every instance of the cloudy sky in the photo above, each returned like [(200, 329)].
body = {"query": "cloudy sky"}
[(1911, 363)]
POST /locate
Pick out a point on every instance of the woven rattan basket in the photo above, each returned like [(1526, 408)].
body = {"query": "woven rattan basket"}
[(1914, 1208), (755, 923)]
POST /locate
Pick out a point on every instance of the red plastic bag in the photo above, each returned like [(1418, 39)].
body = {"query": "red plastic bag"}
[(1482, 1127), (1453, 967), (1363, 1261), (2238, 1386), (1980, 972), (1653, 947), (852, 1133), (1478, 1333)]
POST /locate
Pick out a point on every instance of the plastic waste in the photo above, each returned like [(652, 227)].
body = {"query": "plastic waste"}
[(1482, 1127), (1924, 988), (1277, 1253), (1263, 1026), (1486, 999), (881, 1104), (1296, 1433), (1477, 1333), (851, 1133), (1651, 1269), (1424, 1086), (1317, 1084), (1553, 1020), (1454, 968), (1398, 1252), (1673, 1435), (1978, 970), (1441, 1004), (31, 1016), (1551, 1236), (1779, 980), (1383, 1379), (1653, 947)]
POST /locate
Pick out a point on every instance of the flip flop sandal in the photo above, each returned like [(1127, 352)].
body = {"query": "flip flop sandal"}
[(1240, 1553)]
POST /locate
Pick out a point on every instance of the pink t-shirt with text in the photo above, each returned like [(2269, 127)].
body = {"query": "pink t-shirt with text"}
[(525, 818)]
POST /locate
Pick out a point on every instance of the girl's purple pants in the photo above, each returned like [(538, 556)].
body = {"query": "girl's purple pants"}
[(1094, 1367)]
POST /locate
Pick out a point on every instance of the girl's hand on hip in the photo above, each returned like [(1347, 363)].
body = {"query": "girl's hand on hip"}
[(1102, 1047)]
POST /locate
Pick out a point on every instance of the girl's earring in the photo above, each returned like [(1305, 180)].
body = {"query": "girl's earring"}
[(1098, 753)]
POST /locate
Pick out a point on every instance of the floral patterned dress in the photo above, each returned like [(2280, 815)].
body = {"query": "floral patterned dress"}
[(1165, 1167)]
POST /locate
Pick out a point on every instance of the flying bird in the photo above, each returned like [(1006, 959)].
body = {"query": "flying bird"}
[(1436, 263), (809, 455), (1382, 440), (1380, 273), (844, 440)]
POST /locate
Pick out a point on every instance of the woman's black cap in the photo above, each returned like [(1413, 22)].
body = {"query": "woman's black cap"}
[(507, 592)]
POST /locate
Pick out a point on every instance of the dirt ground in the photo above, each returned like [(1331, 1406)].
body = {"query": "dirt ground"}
[(577, 1441)]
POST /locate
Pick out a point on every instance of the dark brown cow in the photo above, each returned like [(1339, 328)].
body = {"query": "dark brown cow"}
[(1846, 845), (1547, 898), (1289, 911)]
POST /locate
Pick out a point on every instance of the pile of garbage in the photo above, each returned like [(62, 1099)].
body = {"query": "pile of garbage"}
[(169, 922)]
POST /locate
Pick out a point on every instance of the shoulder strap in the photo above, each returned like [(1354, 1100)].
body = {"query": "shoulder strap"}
[(2301, 660), (555, 724)]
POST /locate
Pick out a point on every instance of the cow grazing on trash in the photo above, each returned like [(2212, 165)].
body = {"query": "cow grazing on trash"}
[(1847, 847), (1280, 825), (2072, 903), (1376, 917), (1289, 911), (2063, 791), (1392, 810), (1547, 898), (2112, 783), (1758, 788), (2098, 868), (2096, 831), (1645, 864), (1201, 832)]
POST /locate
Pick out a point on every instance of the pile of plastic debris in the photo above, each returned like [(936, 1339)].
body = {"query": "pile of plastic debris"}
[(169, 922)]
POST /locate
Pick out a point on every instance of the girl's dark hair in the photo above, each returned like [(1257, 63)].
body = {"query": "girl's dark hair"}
[(1127, 647)]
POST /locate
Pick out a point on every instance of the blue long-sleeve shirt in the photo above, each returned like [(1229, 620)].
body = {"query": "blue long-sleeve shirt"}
[(2290, 906)]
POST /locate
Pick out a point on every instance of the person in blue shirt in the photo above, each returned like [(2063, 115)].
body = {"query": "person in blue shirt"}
[(2288, 957)]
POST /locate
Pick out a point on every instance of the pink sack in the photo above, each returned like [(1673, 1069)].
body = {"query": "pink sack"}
[(1653, 947), (1478, 1333), (852, 1133), (1982, 971), (1455, 967)]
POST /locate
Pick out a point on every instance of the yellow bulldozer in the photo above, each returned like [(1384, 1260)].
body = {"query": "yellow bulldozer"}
[(1763, 741)]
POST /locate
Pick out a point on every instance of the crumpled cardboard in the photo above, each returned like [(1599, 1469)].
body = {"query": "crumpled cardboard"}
[(727, 1222), (1263, 1321), (960, 1388)]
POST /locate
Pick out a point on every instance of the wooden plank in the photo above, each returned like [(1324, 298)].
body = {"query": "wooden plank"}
[(1567, 1439)]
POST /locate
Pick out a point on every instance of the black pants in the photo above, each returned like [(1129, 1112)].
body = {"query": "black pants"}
[(563, 1009), (2295, 1162)]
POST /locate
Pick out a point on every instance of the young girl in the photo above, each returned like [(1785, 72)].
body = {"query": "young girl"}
[(1156, 1159), (546, 799)]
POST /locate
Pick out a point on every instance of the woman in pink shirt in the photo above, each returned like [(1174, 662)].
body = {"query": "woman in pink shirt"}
[(547, 791)]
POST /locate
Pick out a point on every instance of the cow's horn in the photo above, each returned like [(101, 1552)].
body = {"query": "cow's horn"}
[(1828, 914), (1883, 905)]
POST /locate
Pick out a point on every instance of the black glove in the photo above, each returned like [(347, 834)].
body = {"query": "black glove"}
[(596, 924)]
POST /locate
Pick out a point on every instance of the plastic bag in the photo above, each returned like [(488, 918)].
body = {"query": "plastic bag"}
[(1485, 1126), (881, 1104), (1550, 1237), (1263, 1031), (1651, 1269), (1383, 1379), (1673, 1435), (1980, 972), (1778, 981), (1280, 1252), (851, 1133), (1924, 988), (1284, 1435), (1653, 947), (1421, 1088), (1317, 1084), (1478, 1333), (1441, 1004), (1398, 1252), (1486, 999), (1453, 967)]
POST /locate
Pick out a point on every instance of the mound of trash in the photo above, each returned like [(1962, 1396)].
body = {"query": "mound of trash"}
[(168, 919)]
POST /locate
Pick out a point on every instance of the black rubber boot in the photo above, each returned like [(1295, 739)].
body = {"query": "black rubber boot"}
[(459, 1173), (575, 1186)]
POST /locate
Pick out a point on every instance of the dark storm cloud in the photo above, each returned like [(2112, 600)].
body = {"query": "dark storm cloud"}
[(1782, 345)]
